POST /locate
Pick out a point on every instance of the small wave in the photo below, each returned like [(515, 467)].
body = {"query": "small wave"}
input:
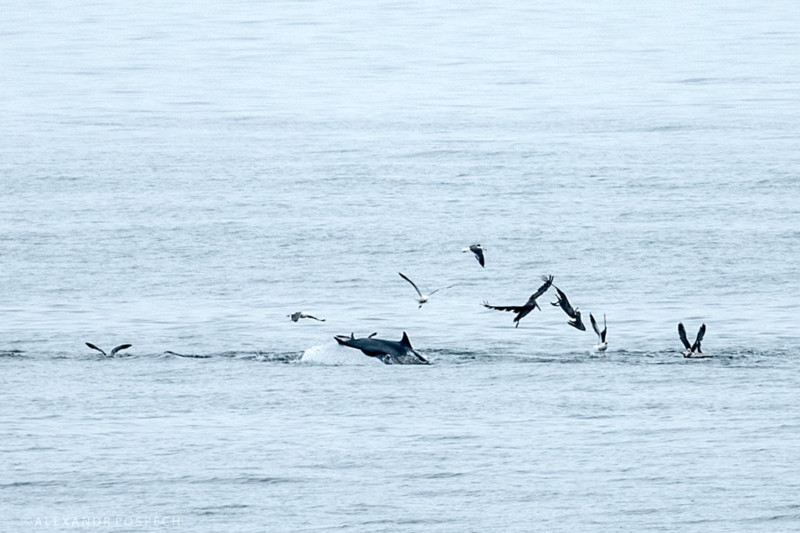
[(237, 480), (187, 355), (12, 353), (20, 484), (271, 357)]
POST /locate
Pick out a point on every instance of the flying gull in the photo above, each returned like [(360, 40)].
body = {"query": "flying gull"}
[(574, 314), (523, 310), (300, 314), (602, 344), (478, 250), (692, 350), (113, 352), (423, 298)]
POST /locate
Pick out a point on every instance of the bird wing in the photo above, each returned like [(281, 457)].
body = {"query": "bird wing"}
[(700, 334), (513, 308), (93, 347), (595, 328), (315, 318), (412, 283), (478, 251), (441, 289), (605, 330), (682, 334), (118, 348), (543, 289), (563, 301)]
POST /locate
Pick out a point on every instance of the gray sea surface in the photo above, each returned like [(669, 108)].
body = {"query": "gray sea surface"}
[(181, 176)]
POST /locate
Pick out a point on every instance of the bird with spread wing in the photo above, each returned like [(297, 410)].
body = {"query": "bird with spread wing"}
[(523, 310)]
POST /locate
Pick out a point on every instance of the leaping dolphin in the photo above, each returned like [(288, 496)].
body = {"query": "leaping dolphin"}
[(389, 352), (113, 352), (692, 350)]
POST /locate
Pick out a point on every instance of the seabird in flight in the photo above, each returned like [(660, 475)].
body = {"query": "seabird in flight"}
[(423, 298), (113, 352), (602, 344), (478, 250), (300, 314), (523, 310), (574, 314), (692, 350)]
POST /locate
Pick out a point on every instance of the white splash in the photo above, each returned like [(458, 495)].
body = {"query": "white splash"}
[(333, 354)]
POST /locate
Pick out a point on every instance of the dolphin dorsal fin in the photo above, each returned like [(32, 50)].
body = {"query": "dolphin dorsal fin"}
[(404, 341)]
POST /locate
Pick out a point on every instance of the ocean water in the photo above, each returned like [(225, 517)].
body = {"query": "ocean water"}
[(182, 176)]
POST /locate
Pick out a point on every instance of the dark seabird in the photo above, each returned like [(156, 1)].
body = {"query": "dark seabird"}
[(300, 314), (113, 352), (574, 314), (523, 310), (692, 350), (423, 298), (602, 344), (478, 250)]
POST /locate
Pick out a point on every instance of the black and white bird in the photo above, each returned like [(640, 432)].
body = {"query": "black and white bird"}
[(478, 250), (692, 350), (523, 310), (574, 314), (423, 298), (301, 314), (602, 344), (113, 352)]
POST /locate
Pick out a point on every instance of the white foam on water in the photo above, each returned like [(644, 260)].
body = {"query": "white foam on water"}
[(334, 354)]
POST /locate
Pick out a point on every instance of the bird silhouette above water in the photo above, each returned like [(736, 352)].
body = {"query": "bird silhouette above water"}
[(478, 250), (574, 314), (692, 350), (423, 298), (113, 352), (602, 344), (300, 314), (523, 310)]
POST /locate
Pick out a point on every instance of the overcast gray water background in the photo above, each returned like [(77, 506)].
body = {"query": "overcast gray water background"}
[(181, 176)]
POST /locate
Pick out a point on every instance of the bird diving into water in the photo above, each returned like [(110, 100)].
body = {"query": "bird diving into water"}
[(601, 345), (300, 314), (423, 298), (478, 250), (523, 310), (113, 352), (574, 314), (692, 350)]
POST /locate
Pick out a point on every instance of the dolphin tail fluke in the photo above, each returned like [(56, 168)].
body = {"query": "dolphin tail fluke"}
[(341, 339)]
